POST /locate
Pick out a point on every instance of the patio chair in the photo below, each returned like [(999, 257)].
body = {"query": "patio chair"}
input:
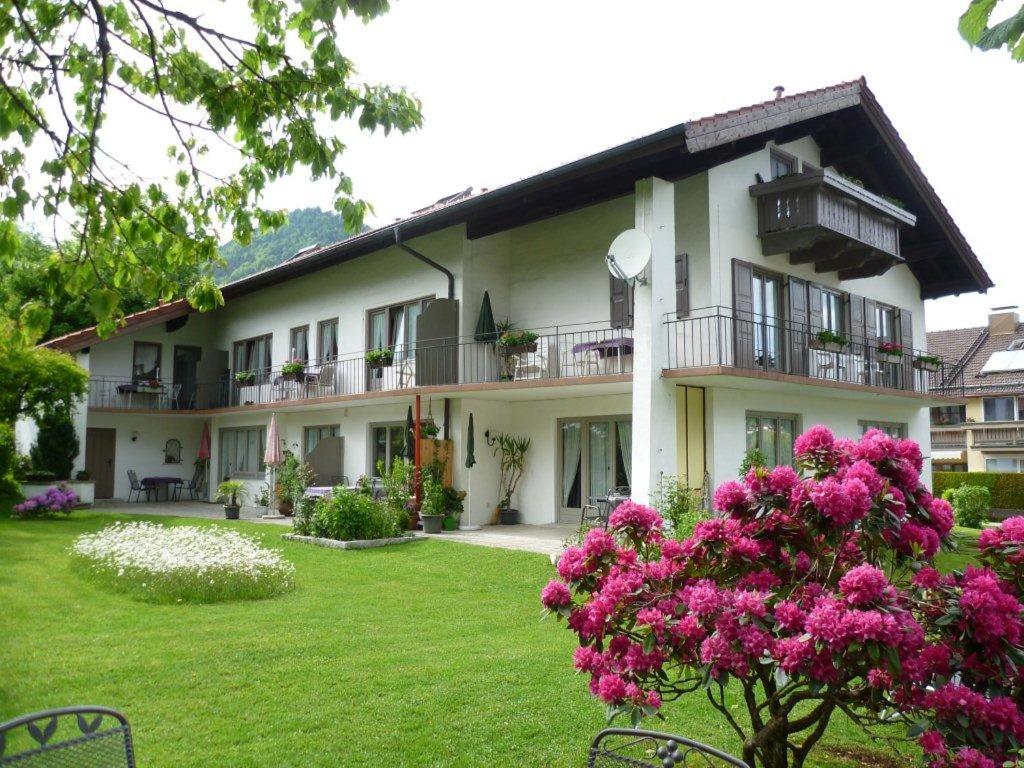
[(649, 749), (134, 486), (169, 398), (193, 486), (594, 514), (324, 384), (69, 737)]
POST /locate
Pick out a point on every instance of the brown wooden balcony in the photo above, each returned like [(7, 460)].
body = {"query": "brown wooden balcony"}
[(1003, 436), (949, 438), (824, 219)]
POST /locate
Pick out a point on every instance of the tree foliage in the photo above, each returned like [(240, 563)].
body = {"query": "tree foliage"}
[(808, 596), (56, 446), (35, 382), (977, 29), (265, 90), (305, 227)]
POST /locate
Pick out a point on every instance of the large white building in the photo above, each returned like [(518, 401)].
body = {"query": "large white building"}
[(768, 224)]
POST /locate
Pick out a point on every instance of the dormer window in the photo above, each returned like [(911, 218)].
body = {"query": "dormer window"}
[(1016, 346), (782, 164)]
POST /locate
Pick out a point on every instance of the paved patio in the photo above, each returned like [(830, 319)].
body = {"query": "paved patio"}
[(543, 539)]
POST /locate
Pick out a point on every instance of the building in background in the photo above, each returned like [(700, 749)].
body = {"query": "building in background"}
[(987, 433)]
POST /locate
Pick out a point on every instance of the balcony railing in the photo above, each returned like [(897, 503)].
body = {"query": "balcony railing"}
[(1011, 436), (949, 438), (718, 336), (557, 354)]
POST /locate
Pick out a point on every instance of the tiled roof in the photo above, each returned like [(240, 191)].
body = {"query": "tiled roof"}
[(953, 345)]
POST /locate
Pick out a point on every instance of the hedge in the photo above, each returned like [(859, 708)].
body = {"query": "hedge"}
[(1007, 488)]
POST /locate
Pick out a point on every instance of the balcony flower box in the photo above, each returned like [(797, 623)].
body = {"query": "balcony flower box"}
[(380, 358), (828, 341), (293, 370), (517, 343), (928, 363), (245, 378), (890, 352)]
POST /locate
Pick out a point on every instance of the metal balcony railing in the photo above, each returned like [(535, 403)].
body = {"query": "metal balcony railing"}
[(719, 336), (570, 355)]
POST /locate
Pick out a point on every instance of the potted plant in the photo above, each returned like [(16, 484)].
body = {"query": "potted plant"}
[(293, 478), (890, 352), (380, 358), (429, 430), (232, 494), (293, 370), (930, 363), (432, 507), (517, 342), (830, 341), (245, 378), (511, 453), (263, 500), (452, 508)]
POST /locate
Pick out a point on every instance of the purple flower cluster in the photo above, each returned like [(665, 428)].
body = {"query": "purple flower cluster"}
[(56, 499)]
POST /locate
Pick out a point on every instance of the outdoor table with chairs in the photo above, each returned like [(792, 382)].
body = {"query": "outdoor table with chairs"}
[(613, 355)]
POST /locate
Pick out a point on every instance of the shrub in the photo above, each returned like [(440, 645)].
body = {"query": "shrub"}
[(38, 476), (395, 482), (56, 446), (302, 520), (752, 458), (810, 595), (188, 564), (678, 506), (350, 515), (8, 459), (970, 504), (1006, 488), (56, 500)]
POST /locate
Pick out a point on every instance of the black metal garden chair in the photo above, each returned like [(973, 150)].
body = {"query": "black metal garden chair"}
[(615, 747), (69, 737)]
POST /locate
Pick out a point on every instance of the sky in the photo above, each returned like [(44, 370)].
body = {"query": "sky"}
[(513, 87)]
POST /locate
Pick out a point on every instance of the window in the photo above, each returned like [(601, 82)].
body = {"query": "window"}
[(298, 343), (394, 327), (145, 361), (387, 444), (772, 435), (782, 164), (832, 311), (891, 428), (313, 435), (253, 354), (241, 452), (885, 323), (949, 414), (767, 311), (327, 340), (1003, 408), (1005, 464)]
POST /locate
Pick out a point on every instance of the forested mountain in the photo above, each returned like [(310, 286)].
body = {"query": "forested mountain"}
[(305, 227)]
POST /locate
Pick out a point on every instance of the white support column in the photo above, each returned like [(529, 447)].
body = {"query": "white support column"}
[(654, 440), (80, 417)]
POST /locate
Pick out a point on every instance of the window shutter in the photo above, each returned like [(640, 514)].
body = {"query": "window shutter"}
[(743, 312), (870, 321), (797, 325), (856, 315), (815, 317), (682, 285), (906, 329), (621, 302)]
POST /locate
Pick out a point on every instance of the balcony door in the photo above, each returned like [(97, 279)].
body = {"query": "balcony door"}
[(767, 294), (594, 456), (186, 366)]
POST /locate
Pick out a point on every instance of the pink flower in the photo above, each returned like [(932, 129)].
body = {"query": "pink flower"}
[(597, 543), (863, 584), (910, 451), (818, 441), (841, 502), (573, 565), (731, 498), (782, 479), (932, 743), (636, 517), (880, 678), (611, 688), (867, 474), (789, 616), (555, 595), (968, 757), (917, 541), (876, 446), (927, 578), (942, 516)]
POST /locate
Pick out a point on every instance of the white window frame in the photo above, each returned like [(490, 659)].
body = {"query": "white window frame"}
[(226, 461), (1018, 411), (1018, 462), (389, 458), (897, 429), (322, 430)]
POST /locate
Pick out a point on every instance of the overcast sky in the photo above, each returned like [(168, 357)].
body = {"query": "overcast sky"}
[(512, 87)]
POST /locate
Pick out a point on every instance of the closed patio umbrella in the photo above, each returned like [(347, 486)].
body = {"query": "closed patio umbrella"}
[(410, 448), (203, 458), (486, 330), (273, 457), (470, 444)]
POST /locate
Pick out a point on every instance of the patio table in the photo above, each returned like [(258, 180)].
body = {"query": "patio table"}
[(156, 483), (141, 388), (612, 353)]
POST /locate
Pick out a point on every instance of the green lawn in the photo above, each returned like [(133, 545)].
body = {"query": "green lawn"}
[(429, 654)]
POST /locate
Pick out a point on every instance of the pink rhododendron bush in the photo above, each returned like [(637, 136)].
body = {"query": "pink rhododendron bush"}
[(809, 595)]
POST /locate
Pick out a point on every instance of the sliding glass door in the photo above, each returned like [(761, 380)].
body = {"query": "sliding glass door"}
[(594, 455)]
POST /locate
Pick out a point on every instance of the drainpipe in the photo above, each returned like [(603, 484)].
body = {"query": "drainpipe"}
[(451, 295)]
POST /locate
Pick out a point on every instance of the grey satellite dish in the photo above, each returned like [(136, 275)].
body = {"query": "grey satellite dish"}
[(629, 255)]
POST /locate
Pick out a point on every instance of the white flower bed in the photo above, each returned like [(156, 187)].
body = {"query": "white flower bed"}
[(183, 563)]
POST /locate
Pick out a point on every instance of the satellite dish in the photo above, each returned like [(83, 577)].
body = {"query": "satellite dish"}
[(629, 254)]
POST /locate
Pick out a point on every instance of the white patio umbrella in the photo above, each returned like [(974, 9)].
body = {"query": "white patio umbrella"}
[(272, 457)]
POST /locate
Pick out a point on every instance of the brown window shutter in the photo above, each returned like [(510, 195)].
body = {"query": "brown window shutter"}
[(906, 329), (870, 321), (815, 317), (682, 285), (621, 293), (856, 319), (797, 306), (743, 312)]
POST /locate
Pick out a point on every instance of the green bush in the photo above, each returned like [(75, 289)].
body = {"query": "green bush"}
[(349, 516), (679, 506), (1006, 488), (8, 455), (971, 504), (56, 446)]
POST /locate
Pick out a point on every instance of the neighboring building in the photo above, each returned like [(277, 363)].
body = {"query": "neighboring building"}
[(986, 434), (759, 243)]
